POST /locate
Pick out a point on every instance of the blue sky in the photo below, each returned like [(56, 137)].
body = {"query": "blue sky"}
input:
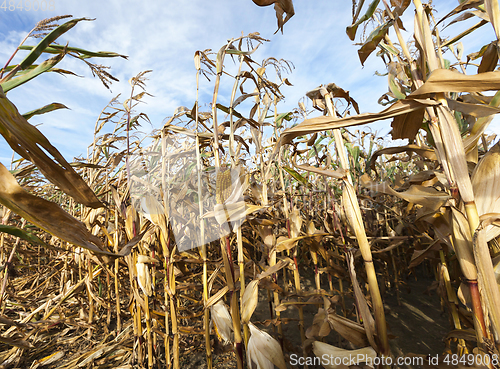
[(163, 36)]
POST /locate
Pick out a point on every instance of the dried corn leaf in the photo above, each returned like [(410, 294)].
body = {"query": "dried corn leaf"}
[(274, 269), (468, 4), (31, 144), (490, 59), (420, 255), (51, 359), (295, 223), (281, 7), (284, 243), (490, 294), (475, 110), (407, 125), (338, 173), (43, 110), (363, 309), (318, 100), (445, 80), (493, 10), (17, 342), (428, 197), (462, 241), (455, 152), (320, 327), (325, 123), (45, 214), (372, 41), (351, 331), (423, 151)]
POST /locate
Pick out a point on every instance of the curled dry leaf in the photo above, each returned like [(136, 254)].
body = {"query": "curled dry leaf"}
[(424, 151), (428, 197), (321, 326), (281, 7)]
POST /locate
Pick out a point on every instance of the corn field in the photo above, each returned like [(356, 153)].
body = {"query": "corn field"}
[(238, 235)]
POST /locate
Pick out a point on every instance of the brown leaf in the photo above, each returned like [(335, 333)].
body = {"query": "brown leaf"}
[(407, 125), (325, 123), (338, 173), (419, 255), (351, 331), (281, 7), (45, 214), (490, 59), (475, 110), (16, 342), (445, 80), (31, 144), (320, 327), (335, 91), (428, 197), (373, 40)]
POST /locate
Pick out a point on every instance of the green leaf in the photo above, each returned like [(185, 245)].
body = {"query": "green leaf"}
[(464, 33), (227, 111), (373, 40), (297, 176), (390, 49), (45, 109), (57, 49), (21, 233), (285, 116), (41, 68), (351, 30), (47, 40), (395, 88)]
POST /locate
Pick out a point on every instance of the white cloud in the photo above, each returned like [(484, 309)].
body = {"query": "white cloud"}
[(163, 36)]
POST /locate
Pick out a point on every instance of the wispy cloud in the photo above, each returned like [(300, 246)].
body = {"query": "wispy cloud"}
[(163, 36)]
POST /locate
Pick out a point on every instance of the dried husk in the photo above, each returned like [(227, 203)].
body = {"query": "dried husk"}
[(342, 356), (263, 351), (249, 301), (486, 186)]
